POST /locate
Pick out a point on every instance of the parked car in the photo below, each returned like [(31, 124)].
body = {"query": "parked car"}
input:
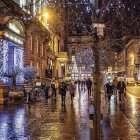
[(138, 82), (130, 81)]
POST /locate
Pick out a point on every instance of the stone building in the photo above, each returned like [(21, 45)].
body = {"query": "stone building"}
[(12, 39), (77, 44), (39, 40), (35, 47), (129, 58)]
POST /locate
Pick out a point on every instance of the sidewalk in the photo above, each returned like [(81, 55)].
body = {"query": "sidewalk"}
[(50, 121), (115, 125)]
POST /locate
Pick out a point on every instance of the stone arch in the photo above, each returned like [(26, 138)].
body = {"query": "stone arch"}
[(15, 21)]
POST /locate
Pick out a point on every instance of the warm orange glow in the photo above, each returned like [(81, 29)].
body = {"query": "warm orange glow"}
[(131, 55), (46, 15)]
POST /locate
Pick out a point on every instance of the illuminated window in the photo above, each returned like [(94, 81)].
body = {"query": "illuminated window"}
[(73, 58)]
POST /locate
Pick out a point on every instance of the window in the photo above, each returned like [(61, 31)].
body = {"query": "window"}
[(42, 50), (22, 4), (31, 43), (31, 64), (37, 44), (73, 51)]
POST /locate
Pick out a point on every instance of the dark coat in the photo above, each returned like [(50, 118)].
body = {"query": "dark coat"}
[(109, 88), (121, 86), (89, 83), (64, 89)]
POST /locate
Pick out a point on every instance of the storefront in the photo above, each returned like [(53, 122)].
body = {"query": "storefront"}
[(61, 64), (11, 47)]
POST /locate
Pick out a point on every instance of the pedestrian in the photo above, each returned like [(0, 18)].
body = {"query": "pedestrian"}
[(82, 85), (53, 88), (84, 82), (89, 85), (62, 91), (78, 82), (56, 85), (115, 82), (91, 111), (46, 90), (72, 91), (121, 87), (75, 82), (109, 90)]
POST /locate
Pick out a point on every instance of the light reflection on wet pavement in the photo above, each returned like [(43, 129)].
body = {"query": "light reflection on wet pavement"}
[(124, 119), (132, 111), (51, 121), (46, 121)]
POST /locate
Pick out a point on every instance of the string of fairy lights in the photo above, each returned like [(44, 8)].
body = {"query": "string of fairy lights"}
[(121, 18), (79, 12), (85, 58)]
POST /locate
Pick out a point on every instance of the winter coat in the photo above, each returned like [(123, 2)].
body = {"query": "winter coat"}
[(62, 88), (121, 86), (72, 89), (89, 83)]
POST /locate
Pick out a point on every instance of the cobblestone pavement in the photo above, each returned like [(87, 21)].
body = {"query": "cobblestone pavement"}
[(46, 121), (132, 110), (124, 120), (51, 121)]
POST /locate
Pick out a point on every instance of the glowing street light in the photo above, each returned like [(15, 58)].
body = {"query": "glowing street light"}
[(45, 15)]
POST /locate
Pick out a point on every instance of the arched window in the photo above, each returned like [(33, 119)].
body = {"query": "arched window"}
[(73, 51)]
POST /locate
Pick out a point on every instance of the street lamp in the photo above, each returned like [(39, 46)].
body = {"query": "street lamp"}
[(45, 15)]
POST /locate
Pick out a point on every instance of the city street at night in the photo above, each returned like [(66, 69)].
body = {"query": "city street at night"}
[(69, 69)]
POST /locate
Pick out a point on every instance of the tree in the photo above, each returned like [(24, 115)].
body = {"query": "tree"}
[(29, 74), (85, 57), (12, 74)]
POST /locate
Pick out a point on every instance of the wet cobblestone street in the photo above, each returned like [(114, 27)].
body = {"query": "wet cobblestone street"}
[(46, 121), (50, 121)]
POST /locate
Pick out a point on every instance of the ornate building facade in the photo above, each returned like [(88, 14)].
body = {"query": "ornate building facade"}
[(38, 38), (77, 44), (129, 58)]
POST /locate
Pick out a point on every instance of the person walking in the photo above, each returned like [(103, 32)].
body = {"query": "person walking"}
[(46, 90), (53, 88), (109, 90), (72, 91), (121, 87), (89, 85), (62, 91), (82, 85), (115, 82)]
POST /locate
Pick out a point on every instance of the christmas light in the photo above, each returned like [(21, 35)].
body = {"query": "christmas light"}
[(18, 62)]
